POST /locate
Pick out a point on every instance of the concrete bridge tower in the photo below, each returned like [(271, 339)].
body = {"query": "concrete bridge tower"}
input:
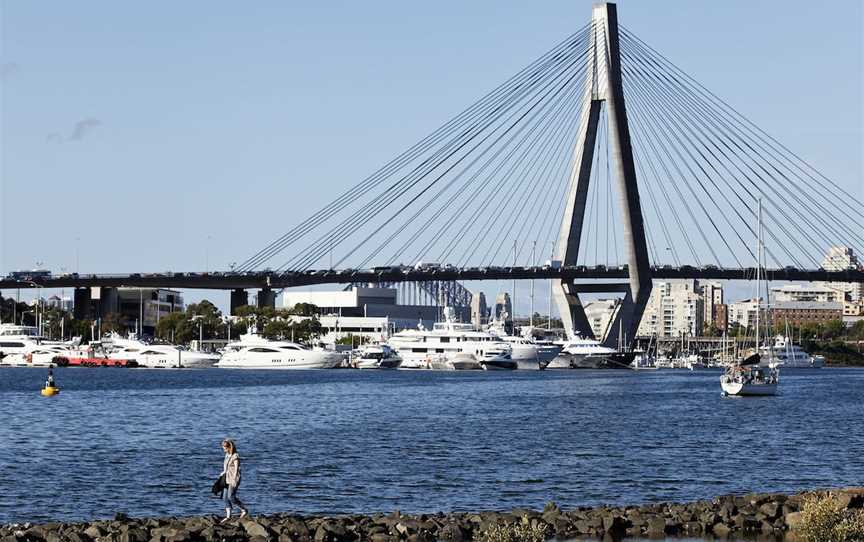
[(604, 87)]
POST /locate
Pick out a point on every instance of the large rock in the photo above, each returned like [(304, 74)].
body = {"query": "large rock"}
[(253, 528)]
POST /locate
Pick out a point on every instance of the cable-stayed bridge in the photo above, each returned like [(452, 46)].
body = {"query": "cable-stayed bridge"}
[(602, 155)]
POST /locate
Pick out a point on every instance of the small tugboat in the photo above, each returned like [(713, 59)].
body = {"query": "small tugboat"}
[(51, 387)]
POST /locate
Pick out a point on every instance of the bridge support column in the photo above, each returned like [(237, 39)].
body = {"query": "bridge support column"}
[(81, 309), (266, 298), (239, 298), (109, 301), (604, 73)]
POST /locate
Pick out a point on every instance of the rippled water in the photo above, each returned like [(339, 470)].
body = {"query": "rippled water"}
[(147, 441)]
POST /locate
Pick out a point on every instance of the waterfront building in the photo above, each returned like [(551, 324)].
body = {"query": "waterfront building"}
[(63, 303), (712, 297), (812, 293), (842, 258), (479, 310), (147, 305), (743, 313), (372, 303), (721, 317), (797, 313), (373, 328), (675, 308), (599, 314)]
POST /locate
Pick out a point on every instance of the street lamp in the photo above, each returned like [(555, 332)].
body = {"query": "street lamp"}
[(38, 303), (199, 318)]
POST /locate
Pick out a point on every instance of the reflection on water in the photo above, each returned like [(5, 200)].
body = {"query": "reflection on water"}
[(147, 441)]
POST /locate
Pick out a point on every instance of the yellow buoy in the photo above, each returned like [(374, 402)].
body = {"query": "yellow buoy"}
[(49, 391)]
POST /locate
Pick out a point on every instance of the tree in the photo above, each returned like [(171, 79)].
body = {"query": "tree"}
[(833, 329), (857, 331), (278, 330), (304, 309), (113, 323)]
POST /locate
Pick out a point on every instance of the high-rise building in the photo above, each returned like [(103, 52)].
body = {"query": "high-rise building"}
[(478, 309), (599, 314), (842, 258), (743, 313), (502, 306), (712, 297), (676, 307)]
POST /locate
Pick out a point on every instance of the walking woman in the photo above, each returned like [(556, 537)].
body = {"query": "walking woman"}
[(231, 470)]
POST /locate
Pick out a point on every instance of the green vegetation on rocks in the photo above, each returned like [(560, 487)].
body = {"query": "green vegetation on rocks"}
[(831, 517)]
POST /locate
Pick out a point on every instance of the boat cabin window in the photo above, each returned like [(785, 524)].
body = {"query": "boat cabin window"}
[(290, 347), (262, 350), (445, 339), (12, 345), (150, 353), (419, 350)]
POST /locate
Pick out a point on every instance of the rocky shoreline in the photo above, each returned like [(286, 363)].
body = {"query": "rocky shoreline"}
[(765, 515)]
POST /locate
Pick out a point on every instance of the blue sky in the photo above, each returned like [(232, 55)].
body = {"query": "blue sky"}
[(168, 135)]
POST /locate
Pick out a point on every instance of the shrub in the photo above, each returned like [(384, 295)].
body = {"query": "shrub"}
[(524, 530), (825, 519)]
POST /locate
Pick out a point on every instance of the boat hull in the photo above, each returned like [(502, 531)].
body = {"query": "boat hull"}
[(748, 390), (499, 365), (391, 363)]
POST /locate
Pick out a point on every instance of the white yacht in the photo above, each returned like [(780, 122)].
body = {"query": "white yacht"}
[(15, 339), (527, 353), (643, 362), (35, 355), (156, 356), (450, 345), (583, 353), (255, 352), (787, 355), (378, 357)]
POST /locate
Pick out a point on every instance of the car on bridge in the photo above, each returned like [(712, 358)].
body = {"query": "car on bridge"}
[(30, 275)]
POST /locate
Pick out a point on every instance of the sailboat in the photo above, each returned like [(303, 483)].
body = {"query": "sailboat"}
[(749, 376)]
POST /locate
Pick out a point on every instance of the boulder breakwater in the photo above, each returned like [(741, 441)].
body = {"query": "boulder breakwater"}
[(762, 516)]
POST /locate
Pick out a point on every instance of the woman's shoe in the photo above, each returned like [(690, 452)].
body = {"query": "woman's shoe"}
[(243, 513), (226, 519)]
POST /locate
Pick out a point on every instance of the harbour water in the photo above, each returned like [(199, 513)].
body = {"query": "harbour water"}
[(146, 442)]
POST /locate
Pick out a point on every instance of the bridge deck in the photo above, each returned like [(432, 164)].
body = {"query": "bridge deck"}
[(230, 281)]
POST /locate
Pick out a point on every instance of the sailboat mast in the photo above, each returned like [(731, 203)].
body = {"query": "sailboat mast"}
[(758, 272)]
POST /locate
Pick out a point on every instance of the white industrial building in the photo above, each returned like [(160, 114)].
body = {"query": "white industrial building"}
[(362, 311), (842, 259)]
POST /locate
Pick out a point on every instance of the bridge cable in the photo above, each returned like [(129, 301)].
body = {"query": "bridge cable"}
[(704, 139), (483, 140), (338, 233), (511, 85)]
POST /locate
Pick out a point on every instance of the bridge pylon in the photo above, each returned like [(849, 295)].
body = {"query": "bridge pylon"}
[(604, 87)]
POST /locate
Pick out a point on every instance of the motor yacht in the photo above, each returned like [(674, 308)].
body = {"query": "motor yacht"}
[(35, 355), (15, 339), (583, 353), (378, 357), (787, 355), (155, 356), (255, 352), (526, 352), (643, 362), (450, 345)]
